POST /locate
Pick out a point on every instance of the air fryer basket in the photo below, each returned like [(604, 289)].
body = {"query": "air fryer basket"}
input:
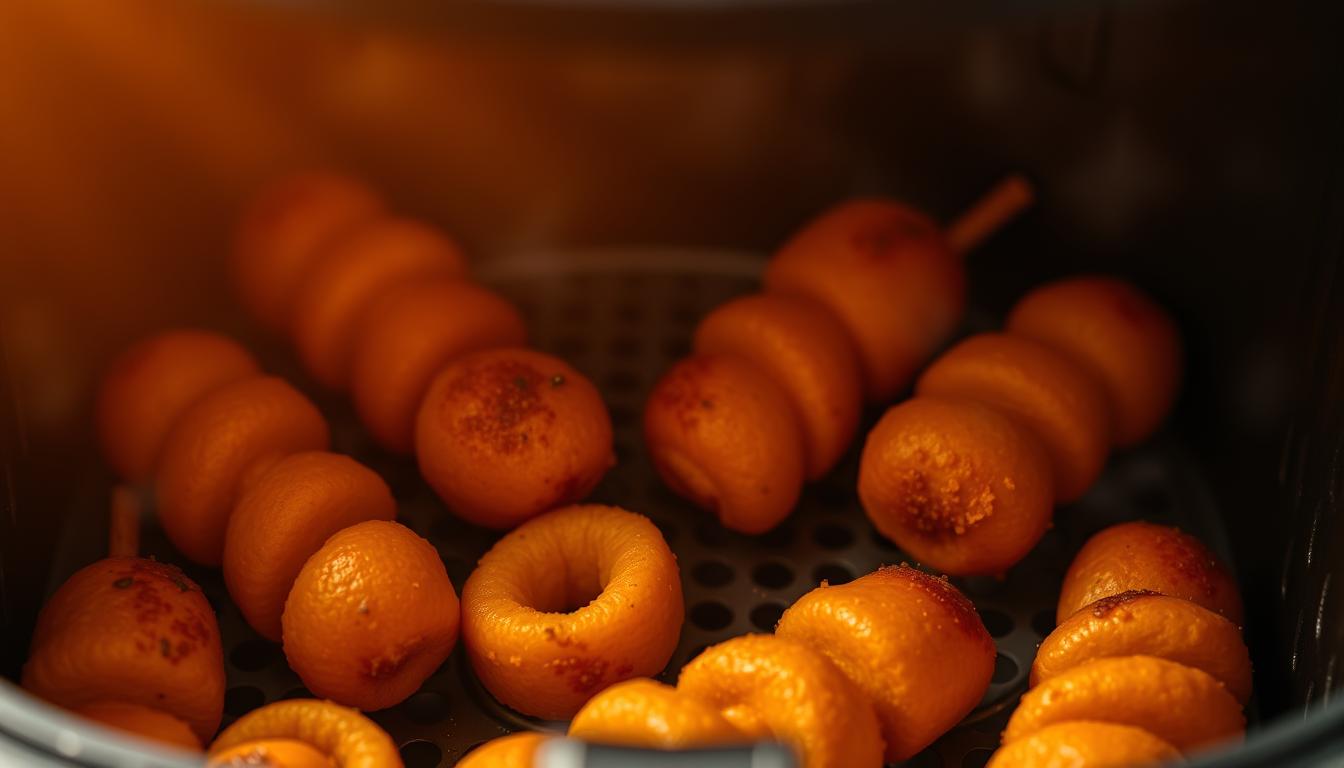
[(1190, 146), (623, 317)]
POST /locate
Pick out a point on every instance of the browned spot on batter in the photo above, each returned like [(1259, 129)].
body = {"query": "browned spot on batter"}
[(1187, 556), (148, 605), (1101, 608), (946, 502), (499, 404), (564, 641), (885, 239), (567, 489), (959, 609), (1130, 305), (191, 628), (624, 670), (583, 674), (172, 629), (382, 666), (683, 392)]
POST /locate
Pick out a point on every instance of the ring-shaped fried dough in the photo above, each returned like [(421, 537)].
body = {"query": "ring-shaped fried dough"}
[(1138, 622), (569, 603), (648, 714), (350, 739), (1182, 705), (769, 686), (1086, 744)]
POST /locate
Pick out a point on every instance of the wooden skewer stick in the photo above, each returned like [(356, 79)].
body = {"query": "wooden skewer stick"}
[(123, 536), (1007, 199)]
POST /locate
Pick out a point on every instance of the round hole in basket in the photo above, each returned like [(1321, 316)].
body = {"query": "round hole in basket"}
[(766, 615), (828, 529), (421, 754), (711, 615), (772, 575), (426, 707), (779, 537), (833, 574), (712, 573), (1005, 669)]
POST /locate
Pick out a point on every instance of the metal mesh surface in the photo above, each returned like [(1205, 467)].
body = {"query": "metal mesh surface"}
[(622, 319)]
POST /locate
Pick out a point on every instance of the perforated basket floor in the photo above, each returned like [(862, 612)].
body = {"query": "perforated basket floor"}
[(622, 318)]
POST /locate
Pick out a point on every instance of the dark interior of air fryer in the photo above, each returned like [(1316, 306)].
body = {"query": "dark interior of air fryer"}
[(1190, 147)]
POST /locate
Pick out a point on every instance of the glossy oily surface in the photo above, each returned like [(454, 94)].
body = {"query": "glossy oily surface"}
[(886, 272), (134, 630), (772, 687), (1158, 558), (407, 335), (910, 641), (806, 350), (1182, 705), (350, 273), (1086, 744), (370, 616), (213, 445), (513, 751), (348, 738), (145, 722), (272, 753), (1052, 396), (1147, 623), (1128, 343), (283, 517), (961, 487), (544, 645), (646, 713), (505, 434), (622, 319), (725, 436)]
